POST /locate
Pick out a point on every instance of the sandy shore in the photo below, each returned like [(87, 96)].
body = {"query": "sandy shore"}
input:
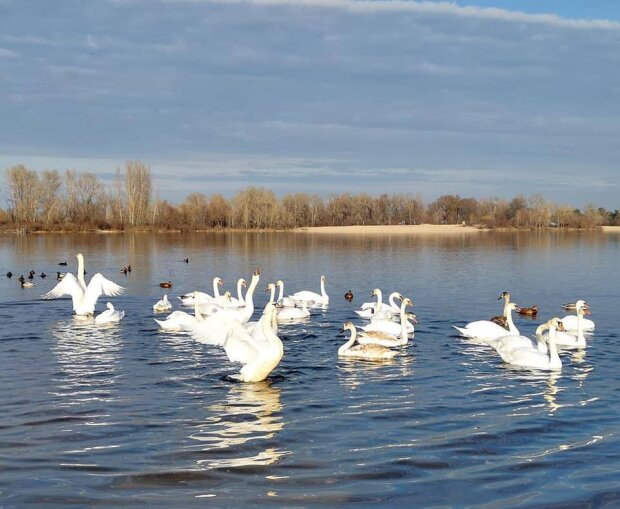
[(394, 229), (611, 229)]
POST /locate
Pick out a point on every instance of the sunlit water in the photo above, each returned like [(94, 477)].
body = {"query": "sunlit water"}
[(125, 415)]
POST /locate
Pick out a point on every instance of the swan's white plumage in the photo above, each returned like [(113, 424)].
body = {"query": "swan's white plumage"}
[(110, 315), (84, 296), (163, 304)]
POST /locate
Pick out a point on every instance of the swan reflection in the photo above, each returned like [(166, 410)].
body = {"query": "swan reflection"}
[(88, 357), (243, 428), (353, 373)]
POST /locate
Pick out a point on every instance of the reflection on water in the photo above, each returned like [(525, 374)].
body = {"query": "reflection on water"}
[(242, 427), (88, 356)]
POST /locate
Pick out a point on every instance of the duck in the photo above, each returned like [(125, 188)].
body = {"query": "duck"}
[(162, 305), (43, 275), (372, 352), (83, 296), (349, 296), (312, 298), (9, 274), (533, 358), (488, 330), (31, 274), (186, 260), (24, 283), (166, 284), (385, 338), (125, 270), (110, 315), (570, 321), (62, 263), (529, 311)]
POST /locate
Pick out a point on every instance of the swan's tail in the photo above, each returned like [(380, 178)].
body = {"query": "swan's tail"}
[(462, 331), (167, 326)]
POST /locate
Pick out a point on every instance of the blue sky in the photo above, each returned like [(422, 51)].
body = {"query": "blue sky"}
[(481, 98)]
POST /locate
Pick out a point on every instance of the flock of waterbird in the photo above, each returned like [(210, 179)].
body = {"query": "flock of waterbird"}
[(226, 321)]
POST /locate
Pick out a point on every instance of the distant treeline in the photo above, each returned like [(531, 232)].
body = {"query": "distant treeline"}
[(72, 201)]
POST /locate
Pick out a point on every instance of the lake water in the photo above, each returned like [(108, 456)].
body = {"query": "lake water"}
[(129, 416)]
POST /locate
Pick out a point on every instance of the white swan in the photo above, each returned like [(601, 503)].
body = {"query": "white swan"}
[(532, 358), (568, 340), (189, 299), (570, 321), (259, 353), (289, 314), (486, 329), (84, 296), (386, 339), (390, 326), (368, 309), (312, 298), (179, 321), (240, 315), (162, 305), (509, 342), (287, 302), (110, 315), (239, 301), (370, 352)]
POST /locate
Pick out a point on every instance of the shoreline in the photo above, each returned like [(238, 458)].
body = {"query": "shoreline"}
[(408, 229), (611, 229)]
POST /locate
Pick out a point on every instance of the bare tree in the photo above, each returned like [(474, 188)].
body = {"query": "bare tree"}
[(138, 188), (24, 194)]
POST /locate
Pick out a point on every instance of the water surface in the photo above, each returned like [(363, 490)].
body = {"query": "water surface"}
[(126, 415)]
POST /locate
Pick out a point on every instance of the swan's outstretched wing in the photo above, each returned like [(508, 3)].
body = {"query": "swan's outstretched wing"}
[(99, 285), (240, 346), (214, 330), (68, 286)]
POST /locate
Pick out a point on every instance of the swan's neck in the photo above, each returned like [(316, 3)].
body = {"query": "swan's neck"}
[(80, 271), (165, 298), (281, 291), (239, 292), (554, 358), (216, 288), (323, 292), (580, 337), (272, 295), (379, 304), (249, 296), (349, 343), (511, 324), (392, 301), (403, 327)]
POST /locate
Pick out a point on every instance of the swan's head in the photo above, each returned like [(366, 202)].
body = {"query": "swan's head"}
[(582, 306), (375, 292), (243, 283), (512, 306), (270, 287), (110, 306), (505, 296), (257, 271), (80, 257), (411, 317), (219, 281), (323, 279), (348, 326), (407, 302), (279, 282), (556, 323), (227, 295)]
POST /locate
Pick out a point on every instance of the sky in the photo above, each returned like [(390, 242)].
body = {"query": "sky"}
[(481, 98)]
